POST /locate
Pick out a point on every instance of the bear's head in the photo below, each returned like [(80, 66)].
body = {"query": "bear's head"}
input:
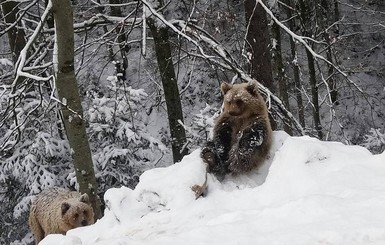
[(76, 212), (242, 99)]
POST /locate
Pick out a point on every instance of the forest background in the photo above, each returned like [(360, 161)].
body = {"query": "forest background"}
[(148, 76)]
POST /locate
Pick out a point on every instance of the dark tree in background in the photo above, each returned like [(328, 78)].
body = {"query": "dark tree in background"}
[(16, 35), (170, 87), (306, 9), (258, 44), (294, 63), (280, 76)]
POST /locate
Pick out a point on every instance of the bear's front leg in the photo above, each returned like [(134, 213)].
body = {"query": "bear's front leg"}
[(216, 153), (222, 141), (244, 154), (209, 155)]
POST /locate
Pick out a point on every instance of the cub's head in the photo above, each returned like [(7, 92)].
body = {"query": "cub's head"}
[(242, 99), (77, 212)]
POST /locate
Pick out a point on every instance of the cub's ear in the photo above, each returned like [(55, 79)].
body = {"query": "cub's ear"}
[(84, 198), (225, 87), (252, 88), (64, 208)]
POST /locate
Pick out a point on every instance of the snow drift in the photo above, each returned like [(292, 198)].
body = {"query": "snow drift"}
[(308, 192)]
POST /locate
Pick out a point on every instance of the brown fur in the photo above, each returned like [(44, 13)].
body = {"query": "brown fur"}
[(56, 210), (242, 133)]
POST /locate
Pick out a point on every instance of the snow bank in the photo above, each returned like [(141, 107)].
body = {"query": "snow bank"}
[(308, 192)]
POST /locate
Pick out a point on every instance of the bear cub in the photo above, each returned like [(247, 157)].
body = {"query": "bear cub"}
[(56, 210), (242, 133)]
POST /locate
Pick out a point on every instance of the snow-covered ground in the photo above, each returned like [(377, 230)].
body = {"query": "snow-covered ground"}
[(308, 192)]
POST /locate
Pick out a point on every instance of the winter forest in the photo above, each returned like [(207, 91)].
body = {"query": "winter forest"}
[(95, 92)]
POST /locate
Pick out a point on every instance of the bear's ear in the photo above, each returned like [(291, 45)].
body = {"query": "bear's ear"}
[(64, 207), (251, 87), (84, 198), (225, 87)]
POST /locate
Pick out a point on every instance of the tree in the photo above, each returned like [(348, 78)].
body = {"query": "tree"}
[(280, 72), (16, 35), (121, 36), (170, 87), (258, 46), (305, 16), (294, 63), (71, 109), (325, 21)]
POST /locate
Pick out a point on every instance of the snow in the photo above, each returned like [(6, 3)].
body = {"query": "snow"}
[(307, 192), (5, 62)]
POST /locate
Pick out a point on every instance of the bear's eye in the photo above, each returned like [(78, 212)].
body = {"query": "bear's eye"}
[(85, 212), (76, 216)]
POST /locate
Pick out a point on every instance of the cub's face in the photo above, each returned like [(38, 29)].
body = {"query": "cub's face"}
[(77, 214), (241, 99)]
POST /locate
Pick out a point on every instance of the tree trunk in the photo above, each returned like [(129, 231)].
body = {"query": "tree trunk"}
[(297, 81), (121, 37), (17, 41), (325, 21), (280, 74), (314, 94), (305, 16), (16, 35), (336, 16), (170, 87), (71, 109), (258, 46)]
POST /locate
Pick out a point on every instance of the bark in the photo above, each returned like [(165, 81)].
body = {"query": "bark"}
[(280, 74), (17, 41), (305, 16), (314, 93), (258, 46), (71, 109), (297, 81), (16, 35), (170, 88), (121, 37), (336, 16), (325, 21), (50, 21), (105, 30)]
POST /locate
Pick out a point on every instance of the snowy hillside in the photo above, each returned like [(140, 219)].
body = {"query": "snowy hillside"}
[(309, 192)]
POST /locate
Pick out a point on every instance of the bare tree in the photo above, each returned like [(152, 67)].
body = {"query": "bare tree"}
[(280, 72), (258, 46), (170, 86), (325, 20), (71, 105), (294, 63), (16, 35), (307, 30)]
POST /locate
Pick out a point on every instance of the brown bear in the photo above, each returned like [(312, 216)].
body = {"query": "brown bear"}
[(56, 210), (242, 132)]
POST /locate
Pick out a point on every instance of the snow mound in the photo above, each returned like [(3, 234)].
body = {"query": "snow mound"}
[(308, 192)]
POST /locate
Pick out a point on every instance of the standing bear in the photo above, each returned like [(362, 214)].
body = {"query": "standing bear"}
[(242, 133), (56, 210)]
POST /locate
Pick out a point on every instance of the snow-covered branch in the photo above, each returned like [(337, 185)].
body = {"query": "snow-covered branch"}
[(20, 16), (301, 39), (20, 64), (230, 64)]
